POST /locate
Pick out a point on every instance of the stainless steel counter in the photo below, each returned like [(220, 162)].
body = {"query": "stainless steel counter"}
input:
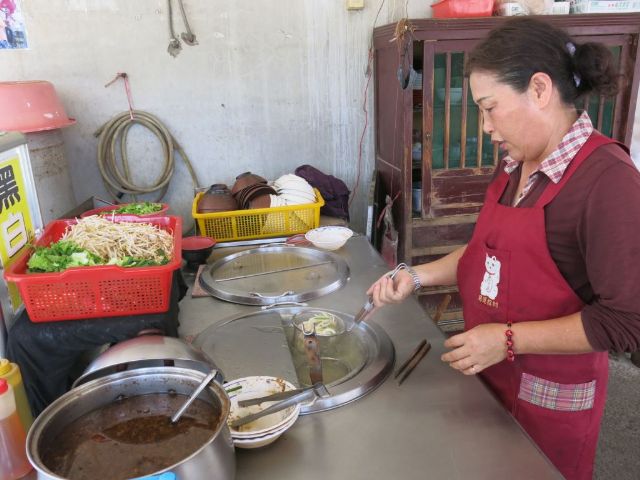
[(439, 424)]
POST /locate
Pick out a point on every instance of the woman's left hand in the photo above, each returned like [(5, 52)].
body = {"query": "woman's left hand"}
[(476, 349)]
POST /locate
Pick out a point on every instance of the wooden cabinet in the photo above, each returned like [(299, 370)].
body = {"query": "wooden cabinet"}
[(428, 131)]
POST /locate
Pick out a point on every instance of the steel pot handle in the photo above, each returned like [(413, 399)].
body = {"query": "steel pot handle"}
[(280, 304), (270, 297)]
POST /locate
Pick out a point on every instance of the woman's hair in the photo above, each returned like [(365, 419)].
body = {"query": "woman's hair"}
[(522, 46)]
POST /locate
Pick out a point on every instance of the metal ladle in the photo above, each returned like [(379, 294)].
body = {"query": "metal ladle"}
[(176, 416)]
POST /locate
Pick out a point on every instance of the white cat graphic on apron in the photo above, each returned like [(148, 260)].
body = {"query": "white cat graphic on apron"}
[(491, 279)]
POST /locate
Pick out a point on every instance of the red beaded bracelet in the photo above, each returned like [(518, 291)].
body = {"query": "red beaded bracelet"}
[(511, 356)]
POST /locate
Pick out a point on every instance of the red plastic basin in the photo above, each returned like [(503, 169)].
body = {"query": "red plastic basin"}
[(31, 106), (462, 8)]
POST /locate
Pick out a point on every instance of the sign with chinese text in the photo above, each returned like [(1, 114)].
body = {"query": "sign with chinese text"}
[(16, 226)]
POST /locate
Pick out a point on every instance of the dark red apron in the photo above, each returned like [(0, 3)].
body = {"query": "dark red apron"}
[(507, 274)]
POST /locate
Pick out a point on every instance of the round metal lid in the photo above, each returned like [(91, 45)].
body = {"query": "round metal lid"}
[(146, 351), (274, 274), (266, 342)]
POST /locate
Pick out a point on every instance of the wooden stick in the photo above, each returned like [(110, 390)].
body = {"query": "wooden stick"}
[(413, 354), (441, 308), (414, 362)]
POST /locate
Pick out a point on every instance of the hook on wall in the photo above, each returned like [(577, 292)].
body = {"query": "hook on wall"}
[(187, 37)]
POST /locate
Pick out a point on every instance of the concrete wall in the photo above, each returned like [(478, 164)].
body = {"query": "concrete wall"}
[(273, 84)]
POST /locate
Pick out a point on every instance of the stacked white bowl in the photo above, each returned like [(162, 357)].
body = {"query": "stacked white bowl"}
[(292, 190), (267, 429)]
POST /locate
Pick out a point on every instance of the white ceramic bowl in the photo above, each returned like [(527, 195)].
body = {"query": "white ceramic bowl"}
[(253, 387), (277, 201), (291, 181), (304, 188), (329, 238), (262, 440), (296, 199)]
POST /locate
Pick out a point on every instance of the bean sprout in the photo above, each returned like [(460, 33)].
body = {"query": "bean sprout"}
[(114, 241)]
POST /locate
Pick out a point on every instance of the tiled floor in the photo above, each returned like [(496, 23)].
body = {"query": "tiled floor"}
[(617, 456)]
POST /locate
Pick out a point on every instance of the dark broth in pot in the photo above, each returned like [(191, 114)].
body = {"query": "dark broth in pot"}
[(130, 438)]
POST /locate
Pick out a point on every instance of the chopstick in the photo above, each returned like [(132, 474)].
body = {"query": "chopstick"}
[(414, 359), (442, 306), (413, 354), (423, 347)]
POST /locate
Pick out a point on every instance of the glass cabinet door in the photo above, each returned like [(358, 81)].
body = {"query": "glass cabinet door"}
[(452, 159), (457, 157)]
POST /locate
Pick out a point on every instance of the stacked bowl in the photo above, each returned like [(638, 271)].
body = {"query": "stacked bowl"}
[(251, 191), (292, 190), (267, 429)]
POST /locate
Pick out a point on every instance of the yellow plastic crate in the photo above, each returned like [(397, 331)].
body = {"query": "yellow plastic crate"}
[(258, 222)]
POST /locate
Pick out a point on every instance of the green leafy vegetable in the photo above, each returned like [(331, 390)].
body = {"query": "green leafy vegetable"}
[(61, 255), (140, 208), (66, 254), (137, 262)]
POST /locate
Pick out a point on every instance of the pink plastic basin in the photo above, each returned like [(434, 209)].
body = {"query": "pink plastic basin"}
[(108, 208), (31, 106)]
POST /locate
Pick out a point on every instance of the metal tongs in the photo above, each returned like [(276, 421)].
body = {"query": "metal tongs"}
[(312, 352), (368, 306), (289, 398)]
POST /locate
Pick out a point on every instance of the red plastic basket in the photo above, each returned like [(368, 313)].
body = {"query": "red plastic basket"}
[(108, 208), (101, 291)]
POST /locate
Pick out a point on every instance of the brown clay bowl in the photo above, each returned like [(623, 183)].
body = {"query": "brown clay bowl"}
[(261, 201), (245, 194), (245, 180), (257, 192), (216, 202), (218, 188), (241, 197)]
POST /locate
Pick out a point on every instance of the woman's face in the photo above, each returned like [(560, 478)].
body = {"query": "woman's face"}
[(511, 118)]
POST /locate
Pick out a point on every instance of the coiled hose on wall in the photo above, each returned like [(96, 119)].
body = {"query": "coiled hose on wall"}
[(113, 135)]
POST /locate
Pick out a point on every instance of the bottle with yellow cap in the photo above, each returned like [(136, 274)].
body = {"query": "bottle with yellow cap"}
[(13, 454), (11, 372)]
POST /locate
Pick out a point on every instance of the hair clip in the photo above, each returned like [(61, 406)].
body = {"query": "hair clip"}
[(576, 79)]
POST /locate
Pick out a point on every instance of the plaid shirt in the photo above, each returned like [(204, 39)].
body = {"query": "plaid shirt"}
[(555, 164)]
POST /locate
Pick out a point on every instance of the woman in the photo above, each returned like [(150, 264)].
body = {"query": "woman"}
[(550, 279)]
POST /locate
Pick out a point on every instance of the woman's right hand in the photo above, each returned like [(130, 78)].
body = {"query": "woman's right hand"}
[(391, 290)]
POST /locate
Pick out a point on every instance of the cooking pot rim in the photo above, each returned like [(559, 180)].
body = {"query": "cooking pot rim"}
[(74, 395)]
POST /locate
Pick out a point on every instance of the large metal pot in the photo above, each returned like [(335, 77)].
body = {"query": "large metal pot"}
[(215, 459), (147, 351)]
